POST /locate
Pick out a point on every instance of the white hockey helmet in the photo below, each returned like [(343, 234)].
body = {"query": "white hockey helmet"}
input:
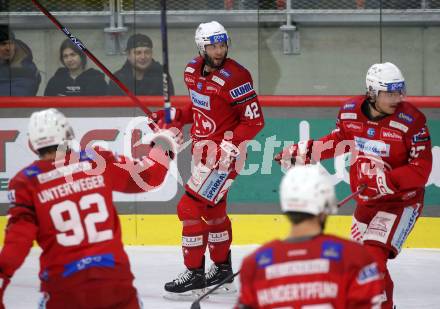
[(307, 189), (384, 77), (210, 33), (49, 127)]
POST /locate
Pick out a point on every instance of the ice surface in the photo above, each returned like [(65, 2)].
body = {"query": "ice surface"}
[(416, 274)]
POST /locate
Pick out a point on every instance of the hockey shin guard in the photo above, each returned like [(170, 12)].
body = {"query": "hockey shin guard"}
[(219, 240)]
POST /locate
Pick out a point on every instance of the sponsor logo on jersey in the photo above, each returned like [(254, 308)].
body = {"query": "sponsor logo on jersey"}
[(218, 80), (203, 125), (372, 147), (348, 116), (200, 100), (380, 227), (294, 292), (212, 88), (349, 106), (297, 268), (390, 135), (225, 73), (192, 241), (64, 171), (409, 195), (102, 260), (368, 274), (193, 61), (398, 125), (11, 196), (213, 185), (371, 132), (241, 90), (200, 86), (331, 250), (372, 123), (189, 80), (298, 252), (264, 257), (406, 224), (405, 117), (422, 136), (353, 126), (189, 70), (32, 171), (218, 237)]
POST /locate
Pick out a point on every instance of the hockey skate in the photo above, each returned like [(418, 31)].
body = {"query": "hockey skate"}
[(188, 285), (217, 273)]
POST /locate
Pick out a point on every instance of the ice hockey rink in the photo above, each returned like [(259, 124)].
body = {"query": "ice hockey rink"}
[(416, 274)]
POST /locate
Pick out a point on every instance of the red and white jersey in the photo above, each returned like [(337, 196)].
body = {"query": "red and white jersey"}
[(321, 272), (67, 207), (224, 100), (399, 144)]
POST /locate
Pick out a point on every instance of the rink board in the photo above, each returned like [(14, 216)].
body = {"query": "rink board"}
[(142, 230)]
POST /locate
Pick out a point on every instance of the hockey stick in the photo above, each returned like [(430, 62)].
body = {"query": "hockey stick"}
[(353, 195), (165, 74), (92, 57), (196, 303)]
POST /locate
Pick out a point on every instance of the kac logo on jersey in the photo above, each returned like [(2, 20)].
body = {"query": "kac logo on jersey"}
[(331, 250), (200, 100), (264, 258), (371, 132), (199, 86), (405, 117), (241, 90)]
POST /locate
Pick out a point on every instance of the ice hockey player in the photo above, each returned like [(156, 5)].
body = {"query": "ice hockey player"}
[(224, 113), (309, 269), (63, 201), (391, 156)]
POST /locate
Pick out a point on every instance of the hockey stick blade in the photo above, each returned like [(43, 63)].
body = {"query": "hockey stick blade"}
[(196, 303), (92, 57), (351, 196)]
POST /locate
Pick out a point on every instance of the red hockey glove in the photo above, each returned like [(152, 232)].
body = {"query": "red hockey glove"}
[(4, 281), (175, 113), (300, 153), (224, 158), (376, 185)]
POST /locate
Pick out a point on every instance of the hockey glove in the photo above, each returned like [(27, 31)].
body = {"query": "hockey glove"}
[(4, 281), (159, 118), (229, 154), (169, 139), (376, 185), (300, 153)]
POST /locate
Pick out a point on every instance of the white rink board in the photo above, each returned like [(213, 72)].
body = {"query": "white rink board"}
[(18, 154), (415, 273)]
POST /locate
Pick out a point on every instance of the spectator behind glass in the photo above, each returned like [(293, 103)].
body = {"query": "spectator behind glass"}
[(74, 79), (140, 73), (19, 75)]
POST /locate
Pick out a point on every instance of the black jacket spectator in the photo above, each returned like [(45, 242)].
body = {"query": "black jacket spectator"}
[(140, 73), (90, 82), (151, 84), (74, 79), (19, 75)]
